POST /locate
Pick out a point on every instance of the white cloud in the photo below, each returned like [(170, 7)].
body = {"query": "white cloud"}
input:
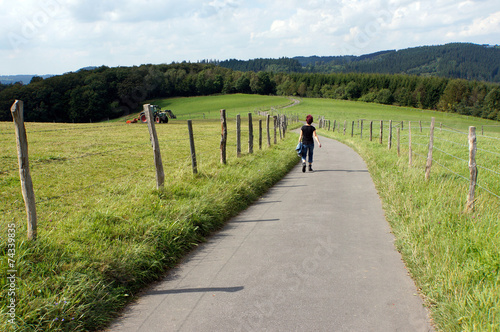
[(489, 25), (54, 36)]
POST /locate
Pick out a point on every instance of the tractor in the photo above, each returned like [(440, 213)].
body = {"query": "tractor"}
[(160, 117)]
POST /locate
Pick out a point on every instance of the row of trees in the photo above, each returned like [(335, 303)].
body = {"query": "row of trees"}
[(456, 60), (93, 95)]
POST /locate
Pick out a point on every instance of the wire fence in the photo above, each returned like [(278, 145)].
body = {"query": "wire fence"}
[(76, 165), (450, 146)]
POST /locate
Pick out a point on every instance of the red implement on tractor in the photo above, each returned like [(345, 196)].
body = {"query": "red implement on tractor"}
[(158, 115)]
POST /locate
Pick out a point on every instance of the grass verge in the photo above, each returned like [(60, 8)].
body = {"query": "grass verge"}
[(453, 256), (104, 232)]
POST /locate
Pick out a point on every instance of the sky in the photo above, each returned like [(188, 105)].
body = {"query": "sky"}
[(57, 36)]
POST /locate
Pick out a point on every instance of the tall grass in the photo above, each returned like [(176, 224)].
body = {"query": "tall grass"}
[(453, 255), (103, 230)]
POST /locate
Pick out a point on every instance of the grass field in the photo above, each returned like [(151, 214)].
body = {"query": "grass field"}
[(209, 108), (453, 256), (105, 231)]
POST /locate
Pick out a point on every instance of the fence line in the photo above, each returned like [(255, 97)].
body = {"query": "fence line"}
[(449, 154), (495, 138), (419, 135), (279, 124)]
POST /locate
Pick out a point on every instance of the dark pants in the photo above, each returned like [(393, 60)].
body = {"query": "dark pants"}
[(308, 150)]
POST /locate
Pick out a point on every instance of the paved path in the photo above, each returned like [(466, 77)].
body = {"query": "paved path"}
[(314, 254)]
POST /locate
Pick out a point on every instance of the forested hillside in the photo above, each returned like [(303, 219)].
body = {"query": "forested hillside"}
[(458, 60), (273, 65), (102, 93), (466, 61)]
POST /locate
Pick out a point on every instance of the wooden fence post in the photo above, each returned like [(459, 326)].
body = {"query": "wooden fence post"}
[(410, 152), (371, 131), (160, 175), (429, 154), (17, 111), (223, 139), (345, 126), (191, 145), (352, 129), (238, 135), (250, 133), (279, 124), (472, 168), (381, 131), (260, 134), (275, 129), (268, 120), (361, 130), (285, 125), (334, 125), (389, 141)]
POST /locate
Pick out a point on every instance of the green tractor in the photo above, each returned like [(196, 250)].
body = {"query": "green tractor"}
[(158, 115)]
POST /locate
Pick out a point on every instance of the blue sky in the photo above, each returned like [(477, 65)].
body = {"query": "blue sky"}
[(57, 36)]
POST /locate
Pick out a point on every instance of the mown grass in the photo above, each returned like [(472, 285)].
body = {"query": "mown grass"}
[(209, 108), (104, 231), (452, 255)]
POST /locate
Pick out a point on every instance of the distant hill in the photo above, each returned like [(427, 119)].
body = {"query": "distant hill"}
[(456, 60), (25, 79)]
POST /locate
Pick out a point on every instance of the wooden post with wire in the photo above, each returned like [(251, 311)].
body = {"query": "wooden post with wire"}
[(223, 139), (191, 145), (275, 118), (250, 133), (381, 140), (472, 168), (160, 174), (389, 141), (268, 120), (260, 134), (238, 135), (17, 111)]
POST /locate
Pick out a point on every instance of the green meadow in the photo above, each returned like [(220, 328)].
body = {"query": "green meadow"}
[(105, 231), (453, 255)]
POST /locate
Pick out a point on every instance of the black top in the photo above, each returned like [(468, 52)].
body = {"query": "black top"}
[(307, 134)]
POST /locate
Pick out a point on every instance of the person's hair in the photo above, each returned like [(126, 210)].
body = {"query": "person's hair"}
[(309, 119)]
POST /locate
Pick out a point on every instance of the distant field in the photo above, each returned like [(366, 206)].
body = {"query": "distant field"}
[(105, 231), (453, 255), (341, 110), (209, 108)]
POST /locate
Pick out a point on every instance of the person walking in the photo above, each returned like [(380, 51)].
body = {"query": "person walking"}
[(307, 137)]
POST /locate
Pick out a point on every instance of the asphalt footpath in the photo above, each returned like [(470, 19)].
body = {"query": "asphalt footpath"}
[(313, 254)]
